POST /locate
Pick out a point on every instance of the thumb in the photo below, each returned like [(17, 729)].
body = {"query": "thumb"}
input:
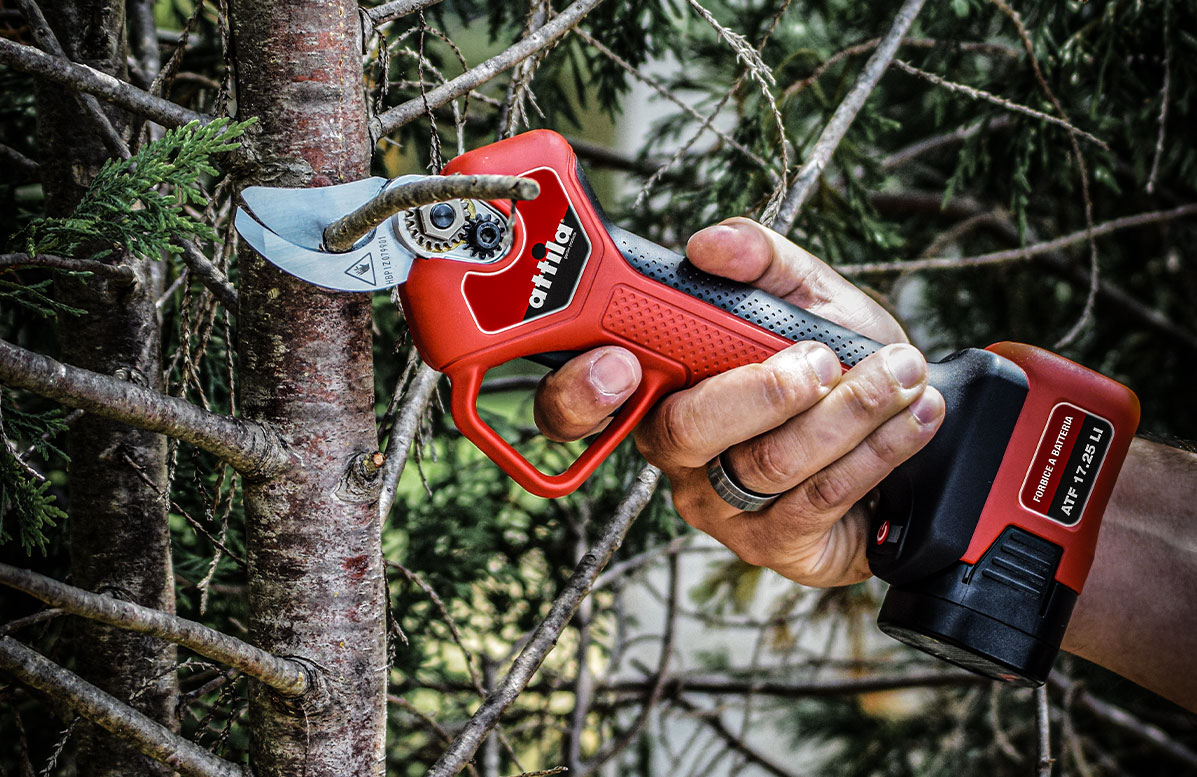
[(577, 399)]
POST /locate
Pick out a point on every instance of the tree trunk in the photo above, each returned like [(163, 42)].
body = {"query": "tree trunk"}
[(119, 534), (316, 585)]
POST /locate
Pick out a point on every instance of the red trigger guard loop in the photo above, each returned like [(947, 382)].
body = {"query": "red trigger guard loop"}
[(466, 382)]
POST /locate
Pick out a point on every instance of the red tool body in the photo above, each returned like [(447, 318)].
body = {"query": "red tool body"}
[(987, 535)]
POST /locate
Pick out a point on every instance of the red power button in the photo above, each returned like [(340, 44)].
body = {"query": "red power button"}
[(882, 532)]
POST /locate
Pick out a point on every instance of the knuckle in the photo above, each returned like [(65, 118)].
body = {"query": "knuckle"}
[(674, 434), (768, 467), (887, 448), (866, 398), (827, 491)]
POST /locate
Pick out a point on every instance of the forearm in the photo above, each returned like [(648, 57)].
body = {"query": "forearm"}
[(1137, 615)]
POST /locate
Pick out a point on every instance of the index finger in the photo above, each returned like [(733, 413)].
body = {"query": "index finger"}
[(742, 250)]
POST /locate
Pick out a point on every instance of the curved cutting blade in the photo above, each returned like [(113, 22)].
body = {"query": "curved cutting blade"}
[(302, 214), (379, 264)]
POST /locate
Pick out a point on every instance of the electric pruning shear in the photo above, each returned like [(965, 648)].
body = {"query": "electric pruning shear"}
[(986, 535)]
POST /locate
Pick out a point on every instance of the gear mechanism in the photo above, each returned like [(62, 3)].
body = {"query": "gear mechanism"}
[(432, 240), (484, 235)]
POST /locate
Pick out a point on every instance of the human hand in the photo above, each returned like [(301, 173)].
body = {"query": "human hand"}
[(821, 439)]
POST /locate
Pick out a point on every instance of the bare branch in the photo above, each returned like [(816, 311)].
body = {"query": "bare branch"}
[(812, 169), (1145, 732), (403, 433), (1025, 252), (546, 36), (388, 12), (250, 448), (75, 76), (342, 234), (289, 678), (735, 743), (208, 274), (44, 36), (544, 638), (1043, 728), (21, 168), (981, 94), (840, 686), (150, 737), (121, 273)]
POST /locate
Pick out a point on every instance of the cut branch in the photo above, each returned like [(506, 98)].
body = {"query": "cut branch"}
[(812, 169), (75, 76), (545, 637), (118, 272), (150, 737), (250, 448), (546, 36), (342, 234), (289, 678)]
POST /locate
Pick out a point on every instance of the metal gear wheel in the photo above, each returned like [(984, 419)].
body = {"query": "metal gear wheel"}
[(484, 235)]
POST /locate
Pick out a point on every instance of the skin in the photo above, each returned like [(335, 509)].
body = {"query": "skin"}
[(823, 439)]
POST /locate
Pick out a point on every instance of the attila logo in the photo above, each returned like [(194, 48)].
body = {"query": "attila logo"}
[(549, 254)]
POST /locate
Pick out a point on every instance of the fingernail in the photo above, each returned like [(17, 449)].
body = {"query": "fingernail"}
[(927, 408), (612, 374), (905, 364), (825, 365)]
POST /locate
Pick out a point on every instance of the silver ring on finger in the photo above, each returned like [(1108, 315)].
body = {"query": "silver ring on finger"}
[(730, 491)]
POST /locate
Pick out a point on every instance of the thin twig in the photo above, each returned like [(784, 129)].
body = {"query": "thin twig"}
[(713, 720), (812, 169), (86, 79), (1164, 95), (121, 273), (981, 94), (342, 234), (416, 400), (660, 89), (1090, 299), (1043, 727), (546, 36), (1115, 716), (285, 676), (1022, 253), (253, 449), (389, 12), (148, 736), (549, 630), (208, 274)]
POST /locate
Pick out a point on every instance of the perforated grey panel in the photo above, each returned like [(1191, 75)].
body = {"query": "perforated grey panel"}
[(739, 299)]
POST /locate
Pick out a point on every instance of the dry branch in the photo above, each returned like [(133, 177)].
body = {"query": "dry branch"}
[(342, 234), (1022, 253), (208, 274), (148, 736), (541, 39), (403, 433), (812, 169), (544, 638), (287, 677), (75, 76), (120, 273), (250, 448)]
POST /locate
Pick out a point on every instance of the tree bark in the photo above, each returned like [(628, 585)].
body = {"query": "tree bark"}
[(119, 535), (316, 585)]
